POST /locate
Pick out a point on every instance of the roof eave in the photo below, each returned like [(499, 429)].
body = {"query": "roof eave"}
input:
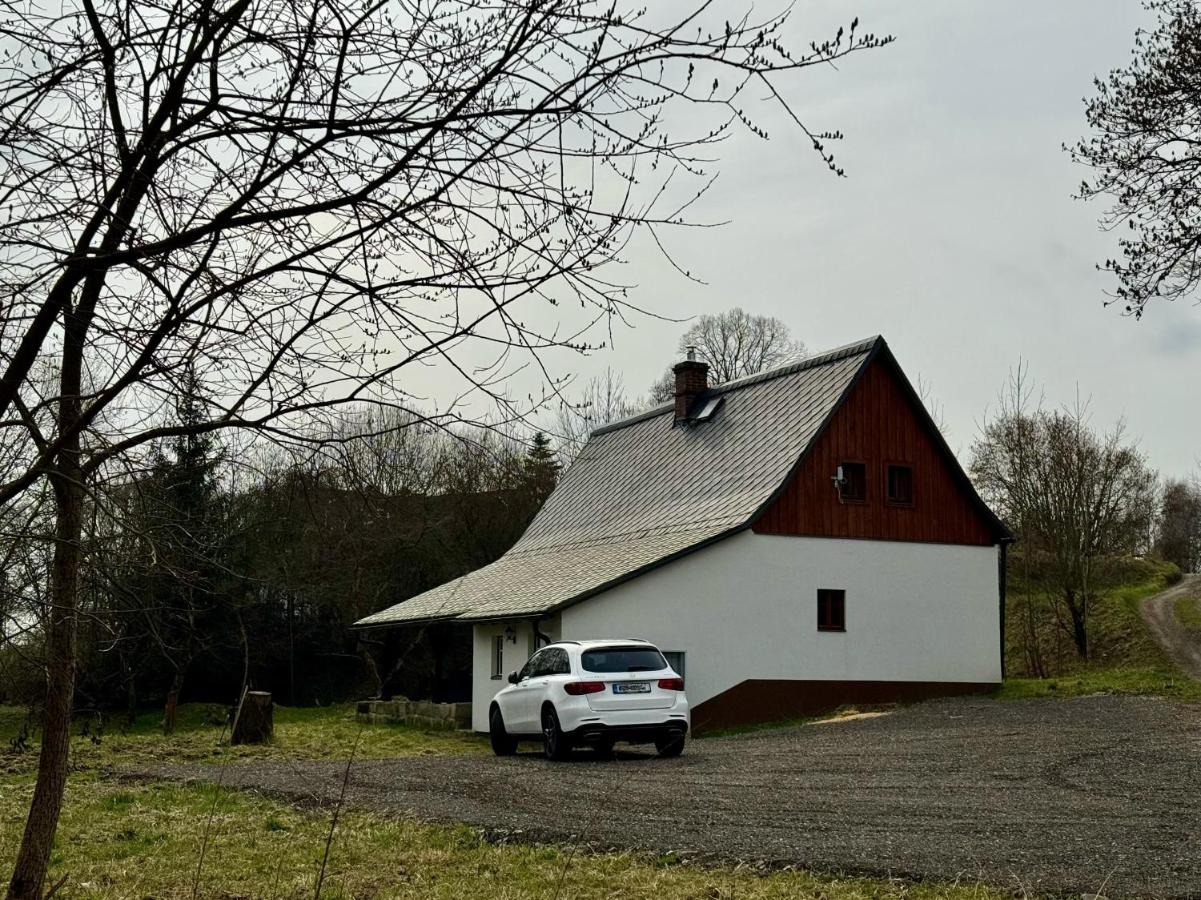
[(361, 625), (614, 582)]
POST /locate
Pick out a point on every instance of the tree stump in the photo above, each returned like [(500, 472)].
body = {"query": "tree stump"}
[(254, 722)]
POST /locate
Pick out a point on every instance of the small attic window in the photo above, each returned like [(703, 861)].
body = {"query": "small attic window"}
[(852, 488), (708, 408), (900, 485)]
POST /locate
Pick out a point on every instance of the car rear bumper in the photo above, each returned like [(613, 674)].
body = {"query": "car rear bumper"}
[(577, 720), (640, 733)]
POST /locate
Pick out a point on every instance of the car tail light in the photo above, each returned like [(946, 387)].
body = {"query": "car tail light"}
[(671, 684), (575, 688)]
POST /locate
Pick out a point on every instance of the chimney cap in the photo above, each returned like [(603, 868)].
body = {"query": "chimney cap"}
[(691, 355)]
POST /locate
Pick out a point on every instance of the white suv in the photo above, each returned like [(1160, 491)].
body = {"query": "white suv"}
[(591, 692)]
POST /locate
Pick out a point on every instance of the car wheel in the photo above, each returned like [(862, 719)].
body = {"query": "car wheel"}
[(556, 744), (503, 744), (670, 745)]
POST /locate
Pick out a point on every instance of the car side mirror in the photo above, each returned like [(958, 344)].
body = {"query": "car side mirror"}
[(513, 679)]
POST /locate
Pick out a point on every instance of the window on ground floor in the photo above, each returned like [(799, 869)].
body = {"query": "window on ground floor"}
[(498, 657), (831, 609)]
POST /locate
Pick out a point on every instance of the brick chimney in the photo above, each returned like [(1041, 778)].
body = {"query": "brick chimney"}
[(692, 380)]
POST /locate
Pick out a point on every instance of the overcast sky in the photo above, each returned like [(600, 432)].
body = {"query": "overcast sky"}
[(955, 234)]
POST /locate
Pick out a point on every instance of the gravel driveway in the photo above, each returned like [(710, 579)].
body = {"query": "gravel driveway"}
[(1084, 795)]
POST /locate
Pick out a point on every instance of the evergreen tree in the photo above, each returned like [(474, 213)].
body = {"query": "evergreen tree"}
[(184, 605), (542, 466)]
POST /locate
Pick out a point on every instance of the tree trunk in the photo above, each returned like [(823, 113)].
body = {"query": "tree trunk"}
[(66, 479), (1034, 652), (172, 701), (131, 696), (1079, 626), (34, 856), (291, 649)]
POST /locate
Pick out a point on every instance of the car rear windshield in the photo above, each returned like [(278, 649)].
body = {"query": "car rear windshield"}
[(623, 659)]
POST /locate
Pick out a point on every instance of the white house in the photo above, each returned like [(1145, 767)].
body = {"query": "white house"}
[(794, 540)]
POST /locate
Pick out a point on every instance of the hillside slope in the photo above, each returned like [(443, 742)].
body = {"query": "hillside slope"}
[(1172, 620), (1041, 659)]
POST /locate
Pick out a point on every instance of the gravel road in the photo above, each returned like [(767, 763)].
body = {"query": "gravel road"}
[(1083, 795), (1182, 645)]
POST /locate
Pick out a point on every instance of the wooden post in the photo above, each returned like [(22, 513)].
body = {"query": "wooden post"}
[(254, 722), (169, 711)]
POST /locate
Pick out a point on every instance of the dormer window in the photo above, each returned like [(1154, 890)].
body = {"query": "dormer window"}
[(852, 487)]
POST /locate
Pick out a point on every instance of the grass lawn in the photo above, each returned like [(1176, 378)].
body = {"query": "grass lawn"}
[(200, 736), (1188, 611), (1126, 659), (122, 839), (1164, 680)]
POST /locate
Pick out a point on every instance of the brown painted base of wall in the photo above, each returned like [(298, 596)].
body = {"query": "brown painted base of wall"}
[(763, 700)]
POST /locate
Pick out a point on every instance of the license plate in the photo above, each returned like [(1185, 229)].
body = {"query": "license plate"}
[(632, 687)]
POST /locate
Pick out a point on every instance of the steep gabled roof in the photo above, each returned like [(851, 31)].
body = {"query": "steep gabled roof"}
[(645, 490)]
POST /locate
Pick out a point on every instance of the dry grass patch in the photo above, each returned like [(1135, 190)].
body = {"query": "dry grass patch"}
[(201, 735)]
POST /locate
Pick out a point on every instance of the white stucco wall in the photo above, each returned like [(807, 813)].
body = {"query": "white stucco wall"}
[(746, 607), (483, 685)]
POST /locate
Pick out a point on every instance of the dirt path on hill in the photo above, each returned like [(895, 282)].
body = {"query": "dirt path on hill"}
[(1182, 645)]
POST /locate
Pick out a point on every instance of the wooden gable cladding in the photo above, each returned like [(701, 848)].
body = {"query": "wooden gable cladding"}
[(878, 425)]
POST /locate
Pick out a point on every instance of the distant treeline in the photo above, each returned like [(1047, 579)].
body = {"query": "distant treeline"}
[(204, 572)]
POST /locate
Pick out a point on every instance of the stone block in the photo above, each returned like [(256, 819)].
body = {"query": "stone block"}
[(421, 713)]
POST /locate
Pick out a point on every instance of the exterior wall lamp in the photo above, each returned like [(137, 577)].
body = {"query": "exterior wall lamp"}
[(511, 634)]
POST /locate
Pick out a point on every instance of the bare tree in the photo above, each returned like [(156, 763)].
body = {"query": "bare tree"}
[(925, 392), (1066, 490), (24, 570), (298, 202), (734, 343), (601, 400), (1145, 158), (1178, 529)]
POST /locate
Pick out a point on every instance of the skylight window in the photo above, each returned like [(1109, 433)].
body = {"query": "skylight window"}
[(706, 412)]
